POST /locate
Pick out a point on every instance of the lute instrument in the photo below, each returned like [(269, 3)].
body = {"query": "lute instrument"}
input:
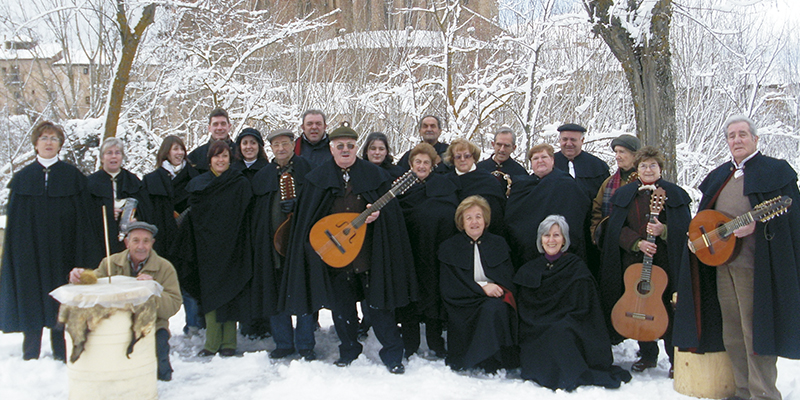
[(640, 313), (711, 236), (338, 237)]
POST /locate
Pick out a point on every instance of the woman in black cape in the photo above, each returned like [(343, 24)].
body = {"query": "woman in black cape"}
[(429, 210), (250, 156), (562, 334), (45, 237), (214, 241), (477, 289)]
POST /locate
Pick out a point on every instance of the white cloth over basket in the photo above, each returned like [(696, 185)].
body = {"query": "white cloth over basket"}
[(122, 290)]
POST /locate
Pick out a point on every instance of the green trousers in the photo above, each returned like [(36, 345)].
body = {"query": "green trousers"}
[(219, 335)]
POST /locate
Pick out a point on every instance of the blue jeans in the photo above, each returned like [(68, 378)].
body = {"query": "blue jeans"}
[(192, 310), (286, 337)]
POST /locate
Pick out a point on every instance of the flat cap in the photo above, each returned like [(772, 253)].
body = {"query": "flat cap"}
[(141, 225), (280, 132), (571, 128), (629, 142)]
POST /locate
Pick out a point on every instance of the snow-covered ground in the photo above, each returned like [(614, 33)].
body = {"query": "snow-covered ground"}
[(254, 376)]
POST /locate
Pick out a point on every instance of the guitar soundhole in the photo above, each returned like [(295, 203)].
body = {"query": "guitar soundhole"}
[(643, 288)]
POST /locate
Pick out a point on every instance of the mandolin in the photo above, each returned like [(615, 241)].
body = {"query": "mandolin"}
[(640, 313), (711, 236), (283, 233), (338, 237)]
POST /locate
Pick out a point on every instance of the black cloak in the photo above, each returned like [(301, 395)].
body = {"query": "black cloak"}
[(266, 274), (306, 286), (510, 167), (675, 215), (590, 171), (532, 199), (167, 197), (101, 190), (251, 171), (213, 243), (482, 183), (478, 326), (562, 334), (776, 291), (47, 234), (316, 154), (429, 210)]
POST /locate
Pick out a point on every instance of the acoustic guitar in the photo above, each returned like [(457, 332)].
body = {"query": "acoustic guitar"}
[(284, 231), (338, 237), (640, 313), (711, 236)]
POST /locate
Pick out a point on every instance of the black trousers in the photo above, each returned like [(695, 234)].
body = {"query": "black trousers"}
[(162, 354), (410, 331), (32, 344), (348, 289)]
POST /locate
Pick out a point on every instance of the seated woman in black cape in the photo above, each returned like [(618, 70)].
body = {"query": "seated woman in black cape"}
[(562, 334), (476, 285)]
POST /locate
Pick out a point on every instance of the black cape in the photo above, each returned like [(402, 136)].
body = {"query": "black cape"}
[(316, 154), (478, 326), (213, 243), (677, 217), (47, 234), (510, 167), (199, 156), (590, 171), (532, 199), (266, 272), (562, 334), (776, 292), (100, 188), (429, 210), (306, 286), (167, 196), (249, 172), (482, 183)]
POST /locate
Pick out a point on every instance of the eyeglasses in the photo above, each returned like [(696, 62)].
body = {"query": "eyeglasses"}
[(462, 156), (49, 138), (350, 146), (503, 145), (652, 166)]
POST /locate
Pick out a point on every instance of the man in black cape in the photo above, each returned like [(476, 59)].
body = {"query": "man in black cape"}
[(219, 126), (760, 322), (382, 276)]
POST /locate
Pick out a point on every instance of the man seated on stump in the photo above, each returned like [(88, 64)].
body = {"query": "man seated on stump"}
[(142, 262)]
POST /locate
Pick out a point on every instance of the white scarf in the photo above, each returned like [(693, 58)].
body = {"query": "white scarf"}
[(172, 169), (474, 167), (740, 167)]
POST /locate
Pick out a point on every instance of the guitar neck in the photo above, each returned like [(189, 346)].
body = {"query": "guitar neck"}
[(743, 220), (376, 206), (647, 261)]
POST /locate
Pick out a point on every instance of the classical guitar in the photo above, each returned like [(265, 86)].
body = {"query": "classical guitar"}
[(640, 313), (338, 237), (283, 233), (711, 236)]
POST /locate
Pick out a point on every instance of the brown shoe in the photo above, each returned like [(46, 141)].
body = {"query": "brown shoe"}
[(643, 364), (227, 352)]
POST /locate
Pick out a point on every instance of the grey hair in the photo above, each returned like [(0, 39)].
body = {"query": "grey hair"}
[(740, 118), (506, 129), (109, 143), (548, 223)]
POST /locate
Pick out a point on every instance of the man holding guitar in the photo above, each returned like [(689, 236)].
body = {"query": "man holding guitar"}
[(755, 294), (381, 275)]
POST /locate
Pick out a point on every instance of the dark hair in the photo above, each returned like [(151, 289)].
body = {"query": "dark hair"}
[(649, 153), (217, 147), (388, 160), (438, 121), (315, 112), (166, 146), (218, 112), (240, 139), (43, 126)]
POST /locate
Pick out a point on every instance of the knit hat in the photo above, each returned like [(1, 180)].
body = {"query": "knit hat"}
[(250, 132), (344, 131), (629, 142)]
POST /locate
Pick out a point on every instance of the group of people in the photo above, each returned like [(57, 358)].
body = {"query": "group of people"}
[(521, 270)]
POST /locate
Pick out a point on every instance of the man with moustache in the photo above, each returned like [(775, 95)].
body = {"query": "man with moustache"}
[(430, 128), (219, 126), (313, 142), (504, 144), (382, 276), (755, 295)]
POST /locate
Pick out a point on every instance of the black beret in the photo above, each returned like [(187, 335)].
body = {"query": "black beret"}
[(250, 132), (629, 142), (571, 128)]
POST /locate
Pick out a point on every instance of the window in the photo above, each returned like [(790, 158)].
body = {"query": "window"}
[(88, 100), (86, 70)]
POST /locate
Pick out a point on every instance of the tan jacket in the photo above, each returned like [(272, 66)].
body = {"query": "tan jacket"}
[(162, 272)]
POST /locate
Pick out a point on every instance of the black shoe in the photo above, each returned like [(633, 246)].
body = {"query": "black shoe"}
[(643, 364), (308, 354), (397, 369), (342, 362), (206, 353), (437, 354), (281, 353), (227, 352), (165, 377)]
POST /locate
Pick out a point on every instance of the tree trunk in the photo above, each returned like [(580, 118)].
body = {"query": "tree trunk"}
[(648, 70), (130, 43)]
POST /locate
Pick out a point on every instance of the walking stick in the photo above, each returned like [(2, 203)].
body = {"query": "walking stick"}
[(108, 247)]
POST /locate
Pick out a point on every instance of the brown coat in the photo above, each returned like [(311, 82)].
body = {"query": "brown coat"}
[(162, 272)]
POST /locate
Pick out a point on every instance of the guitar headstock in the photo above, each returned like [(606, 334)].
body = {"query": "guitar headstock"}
[(657, 200), (404, 182), (772, 208)]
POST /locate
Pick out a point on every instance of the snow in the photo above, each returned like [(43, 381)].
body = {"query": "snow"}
[(253, 375)]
